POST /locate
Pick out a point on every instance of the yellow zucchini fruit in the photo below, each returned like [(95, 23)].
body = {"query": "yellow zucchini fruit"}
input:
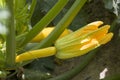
[(34, 54)]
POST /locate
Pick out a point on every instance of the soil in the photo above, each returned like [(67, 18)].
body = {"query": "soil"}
[(107, 58)]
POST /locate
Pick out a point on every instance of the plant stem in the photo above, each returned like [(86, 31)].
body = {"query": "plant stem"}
[(113, 25), (64, 23), (10, 40), (32, 8), (44, 21), (70, 74)]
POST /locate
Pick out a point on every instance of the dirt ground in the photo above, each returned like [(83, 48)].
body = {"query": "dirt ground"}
[(107, 58)]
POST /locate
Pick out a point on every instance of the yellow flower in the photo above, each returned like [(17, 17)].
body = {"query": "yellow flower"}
[(83, 40), (46, 31), (75, 44), (40, 53)]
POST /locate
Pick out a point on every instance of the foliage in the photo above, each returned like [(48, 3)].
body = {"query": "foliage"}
[(25, 20)]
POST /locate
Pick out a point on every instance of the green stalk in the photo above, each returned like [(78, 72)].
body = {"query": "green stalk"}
[(73, 72), (44, 21), (32, 8), (64, 23), (113, 25), (10, 40)]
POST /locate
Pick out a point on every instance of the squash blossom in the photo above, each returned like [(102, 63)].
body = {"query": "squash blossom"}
[(46, 31), (74, 44), (83, 40)]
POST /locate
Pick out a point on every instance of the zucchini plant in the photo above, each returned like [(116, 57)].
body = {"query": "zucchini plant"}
[(57, 41)]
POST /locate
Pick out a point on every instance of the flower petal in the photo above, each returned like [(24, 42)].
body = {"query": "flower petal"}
[(100, 33), (86, 29), (83, 40), (106, 39)]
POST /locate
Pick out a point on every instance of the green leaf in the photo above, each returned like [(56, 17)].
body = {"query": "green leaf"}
[(23, 11), (39, 69), (43, 64), (22, 18), (19, 5), (35, 75)]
